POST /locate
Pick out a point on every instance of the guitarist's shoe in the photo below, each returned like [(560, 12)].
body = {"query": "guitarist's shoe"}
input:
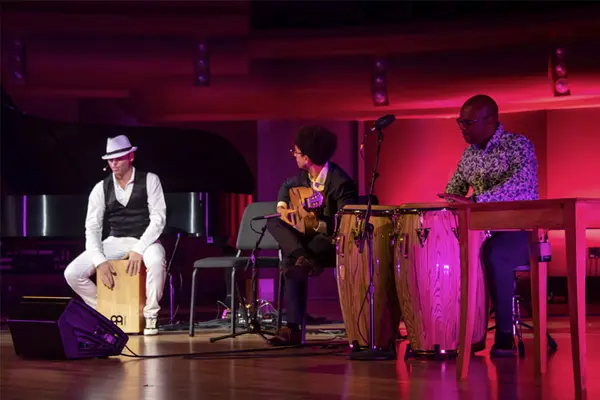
[(287, 337)]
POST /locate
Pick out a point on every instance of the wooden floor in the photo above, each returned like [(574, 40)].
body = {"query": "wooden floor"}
[(306, 373)]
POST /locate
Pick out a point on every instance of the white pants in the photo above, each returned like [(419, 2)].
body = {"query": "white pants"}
[(78, 272)]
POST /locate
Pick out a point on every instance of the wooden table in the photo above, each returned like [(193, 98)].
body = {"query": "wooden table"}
[(572, 215)]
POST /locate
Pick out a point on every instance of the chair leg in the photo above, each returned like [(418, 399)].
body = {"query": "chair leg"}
[(516, 317), (518, 325), (280, 299), (303, 328), (234, 292), (523, 324), (193, 302)]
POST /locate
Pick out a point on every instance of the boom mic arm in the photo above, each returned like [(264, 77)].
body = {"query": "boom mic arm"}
[(269, 216)]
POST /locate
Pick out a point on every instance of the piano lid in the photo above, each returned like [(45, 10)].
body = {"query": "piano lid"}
[(44, 157), (49, 168)]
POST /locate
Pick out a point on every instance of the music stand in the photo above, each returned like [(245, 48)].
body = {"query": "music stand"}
[(372, 353), (252, 323)]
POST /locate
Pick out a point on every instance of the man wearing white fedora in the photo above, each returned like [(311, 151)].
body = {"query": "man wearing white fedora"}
[(130, 205)]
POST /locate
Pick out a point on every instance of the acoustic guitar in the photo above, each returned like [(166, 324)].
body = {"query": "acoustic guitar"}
[(307, 198)]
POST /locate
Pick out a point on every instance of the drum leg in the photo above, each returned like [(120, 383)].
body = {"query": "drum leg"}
[(409, 352)]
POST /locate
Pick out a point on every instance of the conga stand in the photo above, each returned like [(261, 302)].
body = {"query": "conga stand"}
[(371, 353)]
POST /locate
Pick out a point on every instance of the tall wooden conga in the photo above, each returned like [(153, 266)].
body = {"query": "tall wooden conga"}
[(124, 303), (353, 275), (427, 268)]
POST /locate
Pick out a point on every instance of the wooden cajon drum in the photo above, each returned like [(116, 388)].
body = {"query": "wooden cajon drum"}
[(124, 303)]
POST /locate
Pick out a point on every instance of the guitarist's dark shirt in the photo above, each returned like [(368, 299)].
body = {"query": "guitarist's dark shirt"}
[(339, 191)]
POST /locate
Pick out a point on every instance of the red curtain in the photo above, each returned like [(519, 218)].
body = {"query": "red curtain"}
[(233, 208)]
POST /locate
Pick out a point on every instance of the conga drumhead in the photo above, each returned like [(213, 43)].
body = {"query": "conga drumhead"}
[(353, 276), (415, 208), (361, 209), (427, 273)]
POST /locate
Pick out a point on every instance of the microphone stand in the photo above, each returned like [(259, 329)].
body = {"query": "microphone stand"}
[(371, 353)]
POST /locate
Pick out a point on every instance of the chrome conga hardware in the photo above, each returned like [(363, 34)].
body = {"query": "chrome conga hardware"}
[(422, 234), (336, 227), (336, 223), (403, 239), (338, 245), (394, 232), (400, 240), (393, 238), (356, 232), (455, 231)]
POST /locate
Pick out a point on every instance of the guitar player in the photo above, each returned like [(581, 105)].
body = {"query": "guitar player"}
[(306, 254)]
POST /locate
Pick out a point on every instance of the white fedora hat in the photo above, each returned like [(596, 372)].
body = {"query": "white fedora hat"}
[(117, 147)]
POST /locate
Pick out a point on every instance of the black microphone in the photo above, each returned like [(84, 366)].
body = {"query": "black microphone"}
[(266, 217), (383, 122)]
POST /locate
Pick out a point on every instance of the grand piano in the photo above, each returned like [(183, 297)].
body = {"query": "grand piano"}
[(49, 167)]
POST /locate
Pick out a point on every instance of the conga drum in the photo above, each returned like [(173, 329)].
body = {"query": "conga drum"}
[(124, 303), (353, 275), (427, 272)]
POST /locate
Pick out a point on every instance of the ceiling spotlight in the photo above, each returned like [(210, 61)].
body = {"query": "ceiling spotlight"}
[(379, 84), (201, 66), (561, 86), (557, 72)]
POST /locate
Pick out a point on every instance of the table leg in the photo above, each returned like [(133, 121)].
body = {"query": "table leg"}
[(539, 300), (575, 251), (469, 252)]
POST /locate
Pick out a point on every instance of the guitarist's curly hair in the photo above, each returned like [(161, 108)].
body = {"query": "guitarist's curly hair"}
[(317, 143)]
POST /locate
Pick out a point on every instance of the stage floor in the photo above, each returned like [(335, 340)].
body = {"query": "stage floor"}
[(311, 372)]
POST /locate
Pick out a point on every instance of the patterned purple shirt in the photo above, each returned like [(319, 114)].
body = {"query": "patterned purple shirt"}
[(506, 170)]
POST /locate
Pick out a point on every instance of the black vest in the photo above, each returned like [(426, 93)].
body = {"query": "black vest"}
[(131, 220)]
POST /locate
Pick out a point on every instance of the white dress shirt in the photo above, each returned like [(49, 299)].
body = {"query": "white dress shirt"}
[(95, 215)]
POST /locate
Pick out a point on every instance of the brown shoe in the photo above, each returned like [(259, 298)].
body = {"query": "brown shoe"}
[(286, 337)]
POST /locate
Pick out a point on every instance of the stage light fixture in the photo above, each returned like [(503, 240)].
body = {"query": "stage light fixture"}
[(201, 65), (379, 84), (16, 54), (557, 72)]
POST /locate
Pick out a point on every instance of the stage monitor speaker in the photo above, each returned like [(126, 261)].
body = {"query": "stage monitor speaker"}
[(62, 328)]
